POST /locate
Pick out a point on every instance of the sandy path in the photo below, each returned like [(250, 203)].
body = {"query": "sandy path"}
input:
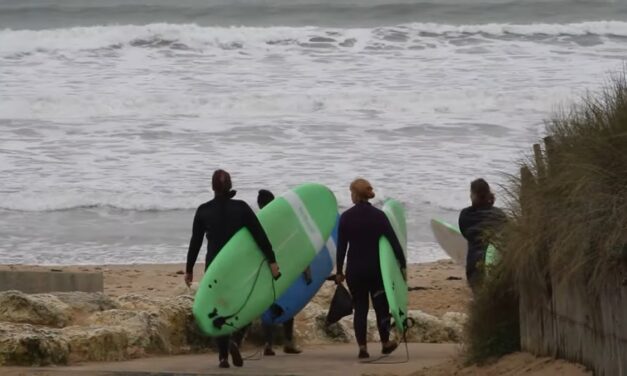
[(333, 360)]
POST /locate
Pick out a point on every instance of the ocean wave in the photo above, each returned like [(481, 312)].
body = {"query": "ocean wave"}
[(46, 14), (140, 201), (86, 201), (16, 43)]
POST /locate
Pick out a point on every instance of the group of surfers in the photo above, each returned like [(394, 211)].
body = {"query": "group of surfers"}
[(360, 229)]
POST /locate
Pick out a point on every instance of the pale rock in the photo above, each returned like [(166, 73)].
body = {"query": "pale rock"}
[(136, 325), (311, 327), (140, 302), (108, 343), (182, 289), (86, 302), (176, 313), (426, 328), (455, 319), (28, 345), (145, 331), (324, 295), (39, 309)]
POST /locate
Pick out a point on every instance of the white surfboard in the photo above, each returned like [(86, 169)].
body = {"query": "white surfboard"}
[(451, 240)]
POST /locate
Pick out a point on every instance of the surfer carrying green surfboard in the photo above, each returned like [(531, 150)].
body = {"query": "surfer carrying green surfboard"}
[(360, 230), (479, 223), (219, 219), (264, 197)]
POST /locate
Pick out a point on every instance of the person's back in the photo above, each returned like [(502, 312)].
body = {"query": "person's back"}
[(360, 230), (479, 224), (220, 219), (476, 224), (363, 225)]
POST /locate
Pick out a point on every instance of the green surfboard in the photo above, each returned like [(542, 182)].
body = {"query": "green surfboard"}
[(393, 282), (238, 285)]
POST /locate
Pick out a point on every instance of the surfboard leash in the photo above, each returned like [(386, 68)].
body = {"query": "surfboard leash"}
[(409, 323), (219, 321), (258, 355)]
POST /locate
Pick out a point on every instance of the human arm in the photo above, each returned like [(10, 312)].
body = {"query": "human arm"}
[(342, 247), (195, 243), (261, 238), (470, 224), (462, 223)]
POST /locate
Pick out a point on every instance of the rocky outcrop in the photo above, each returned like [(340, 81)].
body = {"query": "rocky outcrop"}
[(28, 345), (187, 291), (311, 327), (55, 309), (71, 327), (430, 329), (177, 322), (144, 332), (85, 302), (39, 309), (97, 343)]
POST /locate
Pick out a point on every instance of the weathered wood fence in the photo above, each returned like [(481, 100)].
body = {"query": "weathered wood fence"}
[(567, 320)]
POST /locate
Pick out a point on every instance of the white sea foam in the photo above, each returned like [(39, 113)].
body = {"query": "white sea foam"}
[(194, 38), (109, 129)]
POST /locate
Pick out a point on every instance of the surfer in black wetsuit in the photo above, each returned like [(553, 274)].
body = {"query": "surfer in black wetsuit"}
[(264, 198), (478, 223), (360, 229), (219, 219)]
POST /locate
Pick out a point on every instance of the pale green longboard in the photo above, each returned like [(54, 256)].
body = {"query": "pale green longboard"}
[(238, 285), (455, 245), (393, 282)]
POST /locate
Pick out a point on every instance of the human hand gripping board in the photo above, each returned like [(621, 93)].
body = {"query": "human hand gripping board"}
[(393, 281), (238, 285)]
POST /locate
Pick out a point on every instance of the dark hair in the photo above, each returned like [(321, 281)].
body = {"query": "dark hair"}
[(483, 195), (264, 198), (221, 183)]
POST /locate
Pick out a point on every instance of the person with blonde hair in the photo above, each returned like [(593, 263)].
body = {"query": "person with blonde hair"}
[(360, 229)]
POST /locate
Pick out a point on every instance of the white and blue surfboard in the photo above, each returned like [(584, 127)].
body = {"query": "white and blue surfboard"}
[(300, 292)]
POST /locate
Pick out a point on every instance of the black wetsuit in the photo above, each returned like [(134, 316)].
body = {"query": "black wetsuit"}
[(478, 224), (288, 332), (360, 229), (220, 219)]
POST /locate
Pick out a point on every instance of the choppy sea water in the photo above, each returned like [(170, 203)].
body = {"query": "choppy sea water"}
[(114, 114)]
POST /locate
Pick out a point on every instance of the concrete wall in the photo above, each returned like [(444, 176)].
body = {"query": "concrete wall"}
[(41, 282)]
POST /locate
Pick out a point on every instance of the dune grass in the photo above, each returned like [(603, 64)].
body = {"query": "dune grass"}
[(567, 218)]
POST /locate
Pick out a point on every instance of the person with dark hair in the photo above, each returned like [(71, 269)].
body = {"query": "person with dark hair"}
[(360, 229), (478, 223), (264, 197), (219, 219)]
